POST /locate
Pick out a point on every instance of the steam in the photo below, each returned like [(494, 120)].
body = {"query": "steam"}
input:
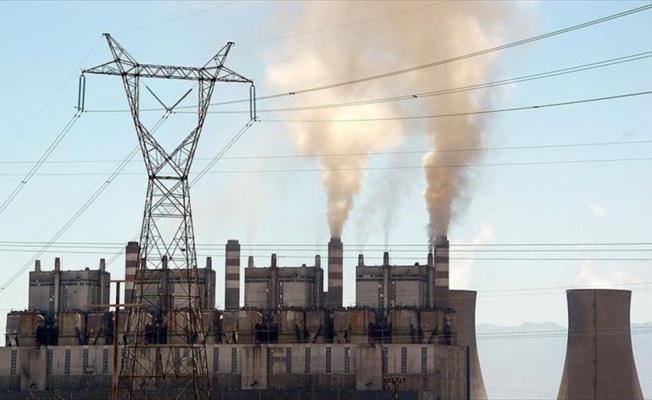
[(403, 39)]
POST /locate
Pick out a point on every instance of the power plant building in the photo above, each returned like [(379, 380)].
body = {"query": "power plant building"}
[(291, 335), (55, 291), (388, 286), (160, 285), (274, 287)]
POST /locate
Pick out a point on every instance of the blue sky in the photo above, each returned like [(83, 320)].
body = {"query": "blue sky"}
[(45, 44)]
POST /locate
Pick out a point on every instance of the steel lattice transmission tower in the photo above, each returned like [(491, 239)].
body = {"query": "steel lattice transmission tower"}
[(164, 354)]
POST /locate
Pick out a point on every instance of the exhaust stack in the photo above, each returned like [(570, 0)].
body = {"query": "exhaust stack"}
[(335, 261), (131, 265), (439, 274), (599, 358), (232, 272)]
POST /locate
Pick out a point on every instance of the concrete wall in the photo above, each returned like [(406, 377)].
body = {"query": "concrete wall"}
[(599, 358), (439, 371), (78, 290)]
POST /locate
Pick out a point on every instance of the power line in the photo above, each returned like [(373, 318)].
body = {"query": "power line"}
[(81, 210), (453, 59), (370, 153), (485, 85), (47, 103), (176, 18), (341, 26), (33, 171), (414, 96), (397, 168), (479, 112), (419, 245)]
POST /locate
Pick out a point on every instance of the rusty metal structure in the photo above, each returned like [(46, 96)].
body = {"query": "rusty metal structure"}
[(164, 345), (599, 356)]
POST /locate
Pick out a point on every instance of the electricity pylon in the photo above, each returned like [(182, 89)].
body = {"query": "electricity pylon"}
[(164, 352)]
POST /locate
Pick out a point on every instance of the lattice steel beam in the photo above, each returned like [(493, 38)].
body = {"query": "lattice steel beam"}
[(164, 353)]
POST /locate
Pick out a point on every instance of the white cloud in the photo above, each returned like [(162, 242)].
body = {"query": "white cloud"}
[(596, 209), (461, 273), (592, 276)]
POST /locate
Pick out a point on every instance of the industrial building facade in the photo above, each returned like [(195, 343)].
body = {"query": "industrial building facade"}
[(291, 334)]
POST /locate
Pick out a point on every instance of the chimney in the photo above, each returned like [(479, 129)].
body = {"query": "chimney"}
[(164, 280), (37, 265), (599, 358), (360, 260), (57, 287), (250, 262), (273, 265), (386, 259), (463, 302), (104, 286), (131, 265), (319, 283), (232, 271), (209, 297), (439, 283), (335, 261)]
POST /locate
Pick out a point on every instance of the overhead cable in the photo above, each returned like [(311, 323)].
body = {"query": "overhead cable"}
[(81, 210), (40, 161), (453, 59), (421, 95), (467, 113)]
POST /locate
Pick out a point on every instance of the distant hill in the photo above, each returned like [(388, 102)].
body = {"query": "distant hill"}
[(526, 361)]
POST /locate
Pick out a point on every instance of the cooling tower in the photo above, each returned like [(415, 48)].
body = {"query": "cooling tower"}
[(599, 358), (463, 302)]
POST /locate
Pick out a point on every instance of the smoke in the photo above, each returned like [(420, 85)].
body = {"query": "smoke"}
[(395, 35)]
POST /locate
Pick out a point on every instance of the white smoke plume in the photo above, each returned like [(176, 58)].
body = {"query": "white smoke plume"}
[(395, 35)]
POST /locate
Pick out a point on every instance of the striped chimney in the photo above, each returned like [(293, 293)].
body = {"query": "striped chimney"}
[(131, 265), (232, 275), (440, 293), (335, 261)]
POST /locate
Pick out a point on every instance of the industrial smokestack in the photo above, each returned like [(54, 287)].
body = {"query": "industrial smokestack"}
[(360, 260), (463, 302), (250, 262), (131, 265), (599, 358), (335, 254), (439, 283), (386, 258), (232, 275), (57, 287)]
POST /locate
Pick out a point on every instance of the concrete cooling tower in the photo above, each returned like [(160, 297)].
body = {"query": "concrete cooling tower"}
[(463, 302), (599, 358)]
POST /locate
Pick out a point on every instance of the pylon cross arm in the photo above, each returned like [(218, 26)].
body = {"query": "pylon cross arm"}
[(125, 65), (218, 74)]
